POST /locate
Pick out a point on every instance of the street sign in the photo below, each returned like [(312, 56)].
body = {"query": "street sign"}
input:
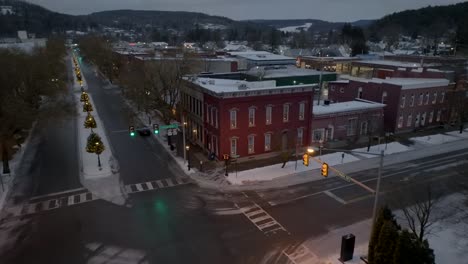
[(169, 132), (174, 131), (169, 126)]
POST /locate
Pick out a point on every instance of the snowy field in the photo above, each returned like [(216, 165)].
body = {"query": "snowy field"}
[(305, 27)]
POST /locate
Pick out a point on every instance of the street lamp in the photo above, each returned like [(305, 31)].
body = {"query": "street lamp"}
[(187, 148)]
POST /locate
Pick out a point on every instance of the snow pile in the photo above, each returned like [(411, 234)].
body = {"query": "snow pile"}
[(457, 134), (435, 139)]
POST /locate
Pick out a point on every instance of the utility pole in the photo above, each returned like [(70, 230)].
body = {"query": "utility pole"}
[(183, 135)]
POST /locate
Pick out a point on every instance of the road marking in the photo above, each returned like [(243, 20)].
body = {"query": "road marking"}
[(156, 184), (57, 194), (300, 255), (404, 170), (265, 223), (332, 195)]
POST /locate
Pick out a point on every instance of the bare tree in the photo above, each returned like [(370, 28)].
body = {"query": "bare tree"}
[(419, 216)]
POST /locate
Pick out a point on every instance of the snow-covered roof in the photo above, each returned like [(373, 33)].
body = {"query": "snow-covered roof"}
[(405, 83), (266, 56), (238, 53), (350, 106), (334, 58), (395, 63), (228, 85), (283, 71)]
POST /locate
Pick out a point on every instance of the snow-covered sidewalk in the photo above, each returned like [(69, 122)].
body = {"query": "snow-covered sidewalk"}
[(449, 238), (275, 176)]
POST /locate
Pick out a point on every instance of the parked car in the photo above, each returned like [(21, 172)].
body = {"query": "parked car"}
[(144, 131)]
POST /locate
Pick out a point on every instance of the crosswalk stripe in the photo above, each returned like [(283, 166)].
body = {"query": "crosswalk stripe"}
[(160, 184), (139, 188), (71, 201), (268, 224), (249, 214), (169, 182), (261, 218)]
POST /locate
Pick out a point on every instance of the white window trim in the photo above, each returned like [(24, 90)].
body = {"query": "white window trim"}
[(412, 100), (300, 131), (403, 101), (233, 122), (267, 147), (322, 134), (366, 126), (251, 149), (285, 115), (233, 139), (302, 107), (431, 117), (421, 99), (442, 98), (426, 102), (252, 110), (400, 121), (434, 101), (409, 121), (269, 110), (349, 127)]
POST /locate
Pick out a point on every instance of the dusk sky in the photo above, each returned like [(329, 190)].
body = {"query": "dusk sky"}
[(330, 10)]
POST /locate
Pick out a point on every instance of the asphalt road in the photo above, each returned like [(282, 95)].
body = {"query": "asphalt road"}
[(183, 223)]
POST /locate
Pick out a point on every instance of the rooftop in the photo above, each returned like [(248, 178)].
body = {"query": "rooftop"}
[(345, 107), (405, 83), (283, 71), (261, 56), (395, 63), (228, 85)]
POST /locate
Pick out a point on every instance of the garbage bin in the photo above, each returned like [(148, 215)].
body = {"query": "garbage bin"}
[(347, 247)]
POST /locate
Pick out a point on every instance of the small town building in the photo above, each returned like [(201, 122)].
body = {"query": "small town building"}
[(411, 103), (246, 119), (250, 59), (340, 124), (340, 65)]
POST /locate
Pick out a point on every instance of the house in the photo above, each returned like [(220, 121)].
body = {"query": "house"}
[(411, 103), (246, 119), (340, 124)]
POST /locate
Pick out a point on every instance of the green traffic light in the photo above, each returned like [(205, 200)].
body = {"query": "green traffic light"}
[(132, 134), (156, 131)]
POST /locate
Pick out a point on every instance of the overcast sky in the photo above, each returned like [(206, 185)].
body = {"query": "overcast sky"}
[(330, 10)]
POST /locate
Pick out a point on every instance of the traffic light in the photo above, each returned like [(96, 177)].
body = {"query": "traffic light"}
[(226, 157), (156, 128), (305, 159), (132, 131), (324, 170)]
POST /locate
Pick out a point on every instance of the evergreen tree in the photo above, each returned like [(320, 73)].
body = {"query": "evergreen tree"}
[(385, 248), (384, 214), (90, 122), (404, 250), (87, 107), (95, 145), (84, 97)]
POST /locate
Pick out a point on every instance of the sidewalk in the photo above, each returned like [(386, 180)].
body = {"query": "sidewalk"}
[(104, 181)]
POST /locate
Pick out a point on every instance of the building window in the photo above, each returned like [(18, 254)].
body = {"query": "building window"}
[(300, 136), (417, 120), (410, 120), (400, 121), (412, 100), (251, 116), (216, 117), (318, 135), (212, 110), (384, 97), (233, 146), (442, 97), (363, 130), (329, 133), (233, 118), (423, 119), (421, 97), (435, 98), (268, 115), (359, 93), (431, 116), (207, 114), (352, 124), (427, 98), (301, 111), (403, 101), (342, 90), (285, 112), (267, 142), (251, 144), (439, 114)]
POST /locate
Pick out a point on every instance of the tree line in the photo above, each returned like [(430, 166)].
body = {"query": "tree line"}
[(33, 86)]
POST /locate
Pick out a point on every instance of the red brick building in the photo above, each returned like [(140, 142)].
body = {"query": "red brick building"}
[(411, 103), (247, 118), (345, 123)]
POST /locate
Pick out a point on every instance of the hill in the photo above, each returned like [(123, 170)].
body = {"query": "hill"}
[(313, 25), (433, 22), (37, 19)]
